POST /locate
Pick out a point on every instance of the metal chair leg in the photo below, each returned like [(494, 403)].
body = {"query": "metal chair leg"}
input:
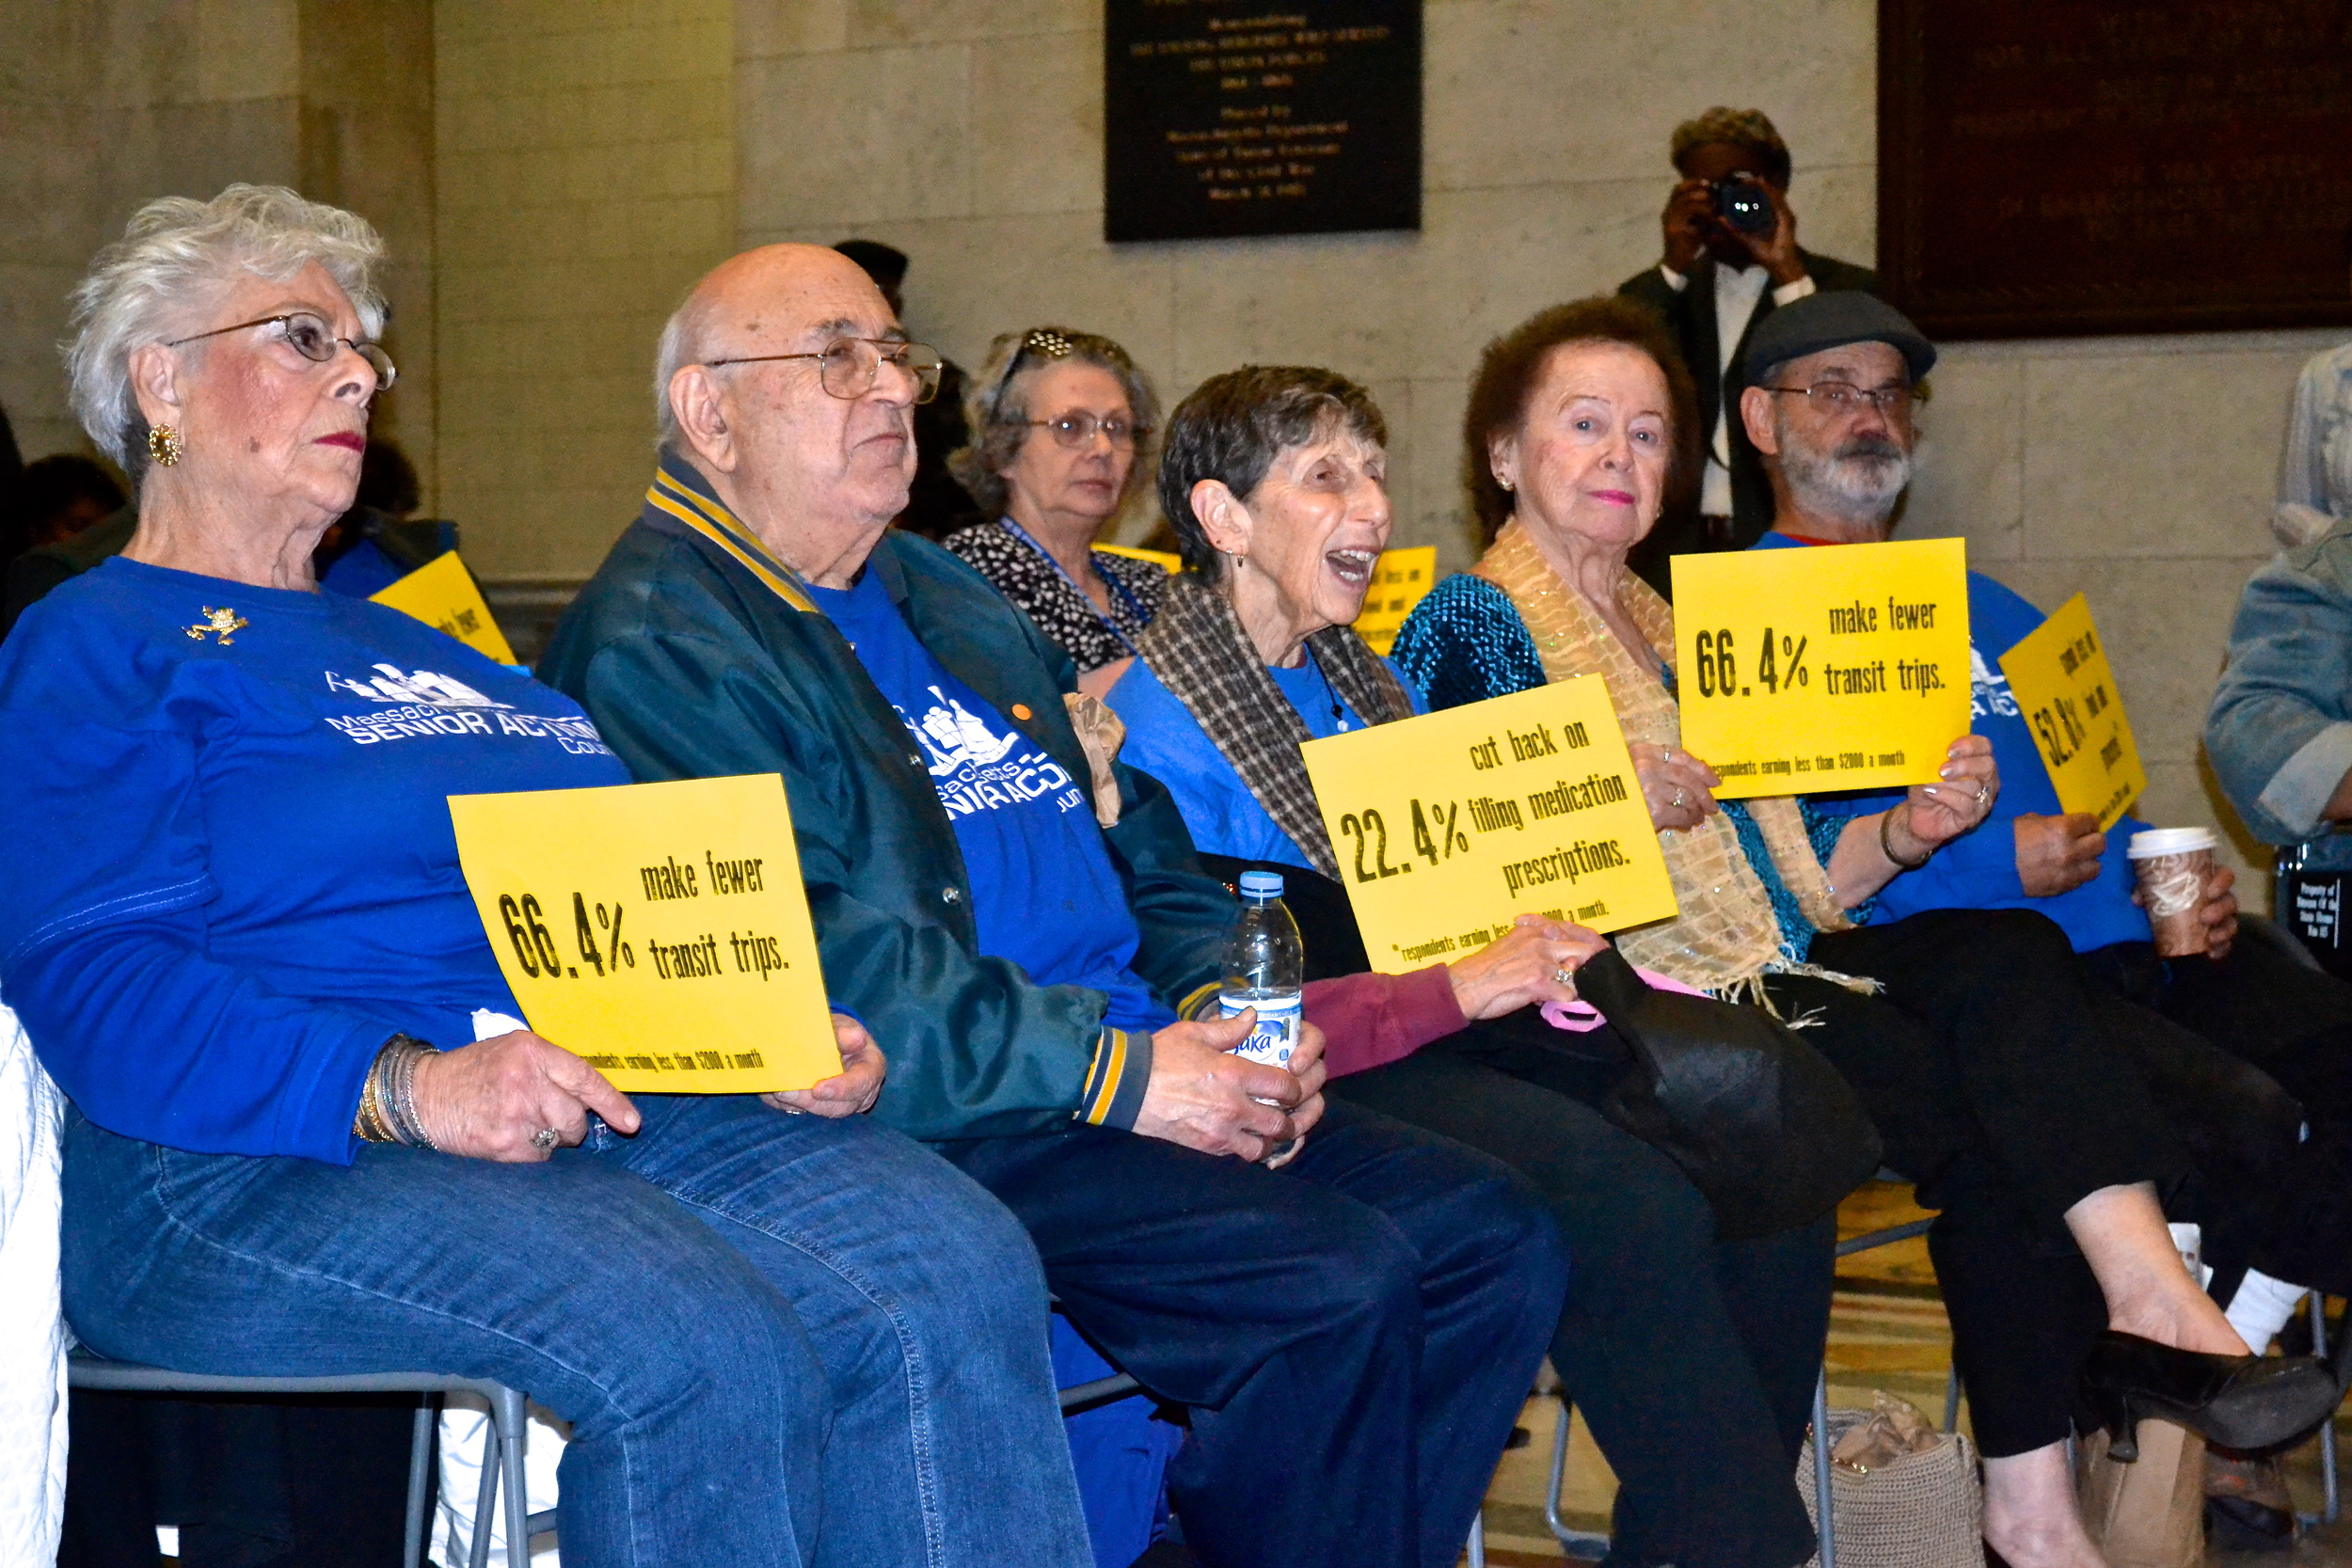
[(486, 1495), (512, 1418), (1573, 1541), (2331, 1507), (1476, 1545), (1825, 1525), (1951, 1400), (419, 1452)]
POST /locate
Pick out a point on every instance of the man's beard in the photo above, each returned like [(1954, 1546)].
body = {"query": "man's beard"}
[(1859, 480)]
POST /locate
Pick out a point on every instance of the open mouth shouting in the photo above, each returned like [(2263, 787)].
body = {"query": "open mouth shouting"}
[(1353, 567)]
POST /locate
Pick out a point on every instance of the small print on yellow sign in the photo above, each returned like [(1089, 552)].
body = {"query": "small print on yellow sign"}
[(1451, 825), (1835, 667), (2060, 677), (1400, 580), (443, 594), (657, 930)]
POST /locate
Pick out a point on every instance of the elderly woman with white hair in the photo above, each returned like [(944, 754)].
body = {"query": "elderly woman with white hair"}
[(237, 934)]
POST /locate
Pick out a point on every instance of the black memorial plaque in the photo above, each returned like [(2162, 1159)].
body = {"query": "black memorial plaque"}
[(1223, 119), (2050, 167)]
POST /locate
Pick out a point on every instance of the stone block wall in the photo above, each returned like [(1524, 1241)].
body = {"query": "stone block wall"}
[(585, 176)]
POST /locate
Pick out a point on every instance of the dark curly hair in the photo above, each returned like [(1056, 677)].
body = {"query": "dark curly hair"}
[(1511, 365), (1234, 426)]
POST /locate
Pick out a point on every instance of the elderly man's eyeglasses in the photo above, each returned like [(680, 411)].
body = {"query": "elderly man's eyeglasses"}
[(1077, 427), (846, 367), (1844, 397), (312, 338)]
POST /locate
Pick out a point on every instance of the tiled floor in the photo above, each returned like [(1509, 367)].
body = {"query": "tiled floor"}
[(1886, 1331)]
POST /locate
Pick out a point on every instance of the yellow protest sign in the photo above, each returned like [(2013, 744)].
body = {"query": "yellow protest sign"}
[(1166, 561), (1400, 580), (1838, 667), (1449, 825), (658, 930), (2060, 677), (443, 594)]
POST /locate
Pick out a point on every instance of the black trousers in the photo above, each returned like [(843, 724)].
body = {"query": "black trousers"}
[(1693, 1360), (2273, 1198), (2016, 1091), (1354, 1333)]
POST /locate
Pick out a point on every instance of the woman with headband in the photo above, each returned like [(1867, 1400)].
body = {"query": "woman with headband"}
[(1057, 419)]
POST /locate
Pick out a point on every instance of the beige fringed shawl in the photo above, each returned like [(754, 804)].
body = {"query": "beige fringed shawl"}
[(1726, 936)]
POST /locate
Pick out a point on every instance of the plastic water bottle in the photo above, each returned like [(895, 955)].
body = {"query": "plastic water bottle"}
[(1265, 968)]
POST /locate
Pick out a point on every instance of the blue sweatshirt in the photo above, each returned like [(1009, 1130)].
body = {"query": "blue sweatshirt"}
[(1045, 894), (230, 874), (1979, 870)]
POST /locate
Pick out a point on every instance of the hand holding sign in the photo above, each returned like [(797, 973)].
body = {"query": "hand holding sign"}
[(1449, 826), (1833, 668), (658, 930)]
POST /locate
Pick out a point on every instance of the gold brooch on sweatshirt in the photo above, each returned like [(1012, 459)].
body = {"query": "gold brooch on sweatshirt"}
[(220, 622)]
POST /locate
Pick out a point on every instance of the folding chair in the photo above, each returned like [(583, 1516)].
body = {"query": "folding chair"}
[(502, 1459)]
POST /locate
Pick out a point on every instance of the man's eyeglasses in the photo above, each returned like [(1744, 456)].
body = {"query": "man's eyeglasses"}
[(1844, 397), (1077, 427), (312, 338), (846, 367)]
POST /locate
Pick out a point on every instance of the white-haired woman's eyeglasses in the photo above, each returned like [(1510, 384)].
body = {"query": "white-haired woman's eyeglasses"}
[(312, 338)]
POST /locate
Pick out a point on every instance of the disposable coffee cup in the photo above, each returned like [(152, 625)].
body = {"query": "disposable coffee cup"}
[(2173, 866)]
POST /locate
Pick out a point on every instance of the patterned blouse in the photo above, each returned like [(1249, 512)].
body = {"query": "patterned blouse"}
[(1033, 582)]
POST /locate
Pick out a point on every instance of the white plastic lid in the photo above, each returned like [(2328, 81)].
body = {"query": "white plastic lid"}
[(2171, 841)]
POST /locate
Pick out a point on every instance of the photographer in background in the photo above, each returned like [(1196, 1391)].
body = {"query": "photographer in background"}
[(1731, 258)]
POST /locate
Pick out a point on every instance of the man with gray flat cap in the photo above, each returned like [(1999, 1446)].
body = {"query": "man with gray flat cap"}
[(1833, 385)]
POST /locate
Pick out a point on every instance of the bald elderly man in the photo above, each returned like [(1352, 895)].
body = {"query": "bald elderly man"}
[(1354, 1330)]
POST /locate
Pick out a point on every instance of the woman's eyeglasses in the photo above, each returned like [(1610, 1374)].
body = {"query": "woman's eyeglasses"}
[(1077, 429), (312, 338), (846, 367)]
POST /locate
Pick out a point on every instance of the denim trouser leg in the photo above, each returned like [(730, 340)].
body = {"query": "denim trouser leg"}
[(929, 1317), (702, 1408)]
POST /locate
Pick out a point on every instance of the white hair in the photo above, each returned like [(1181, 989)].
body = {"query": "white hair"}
[(681, 345), (175, 257)]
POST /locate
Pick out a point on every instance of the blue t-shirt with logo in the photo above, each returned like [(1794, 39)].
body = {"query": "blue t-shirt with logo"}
[(1045, 894), (1979, 870), (230, 873)]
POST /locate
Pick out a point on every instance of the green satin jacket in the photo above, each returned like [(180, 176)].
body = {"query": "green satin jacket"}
[(690, 652)]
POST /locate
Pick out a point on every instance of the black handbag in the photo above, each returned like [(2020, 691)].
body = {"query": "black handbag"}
[(1757, 1119)]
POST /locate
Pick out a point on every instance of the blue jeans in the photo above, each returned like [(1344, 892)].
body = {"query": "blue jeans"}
[(780, 1340)]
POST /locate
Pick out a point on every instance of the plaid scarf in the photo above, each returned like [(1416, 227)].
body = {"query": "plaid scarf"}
[(1197, 648)]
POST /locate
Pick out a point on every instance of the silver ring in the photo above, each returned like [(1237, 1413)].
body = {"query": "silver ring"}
[(1983, 795), (544, 1140), (1677, 802), (1564, 977)]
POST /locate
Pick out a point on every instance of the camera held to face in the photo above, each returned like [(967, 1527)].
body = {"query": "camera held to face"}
[(1745, 205)]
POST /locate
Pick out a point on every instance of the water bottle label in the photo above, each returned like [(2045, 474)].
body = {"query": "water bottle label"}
[(1277, 1028)]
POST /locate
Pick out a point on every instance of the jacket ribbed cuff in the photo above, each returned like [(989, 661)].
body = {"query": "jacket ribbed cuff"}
[(1113, 1095)]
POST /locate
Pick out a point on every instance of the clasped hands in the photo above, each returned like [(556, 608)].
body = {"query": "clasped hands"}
[(491, 1099)]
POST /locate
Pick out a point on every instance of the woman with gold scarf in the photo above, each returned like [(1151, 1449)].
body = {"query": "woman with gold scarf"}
[(2032, 1133)]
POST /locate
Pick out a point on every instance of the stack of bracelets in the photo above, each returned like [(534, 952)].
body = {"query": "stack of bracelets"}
[(388, 1101)]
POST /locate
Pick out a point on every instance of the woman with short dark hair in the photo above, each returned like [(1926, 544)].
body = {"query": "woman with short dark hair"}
[(1059, 421), (1673, 1342)]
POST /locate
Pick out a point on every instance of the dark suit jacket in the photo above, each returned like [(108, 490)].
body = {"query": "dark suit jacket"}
[(1691, 316)]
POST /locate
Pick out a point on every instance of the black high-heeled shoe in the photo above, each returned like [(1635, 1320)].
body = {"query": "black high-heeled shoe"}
[(2249, 1402)]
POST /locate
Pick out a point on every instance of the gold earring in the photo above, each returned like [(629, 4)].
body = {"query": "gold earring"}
[(163, 444)]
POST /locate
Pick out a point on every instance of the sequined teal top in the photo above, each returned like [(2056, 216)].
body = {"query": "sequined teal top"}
[(1465, 643)]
